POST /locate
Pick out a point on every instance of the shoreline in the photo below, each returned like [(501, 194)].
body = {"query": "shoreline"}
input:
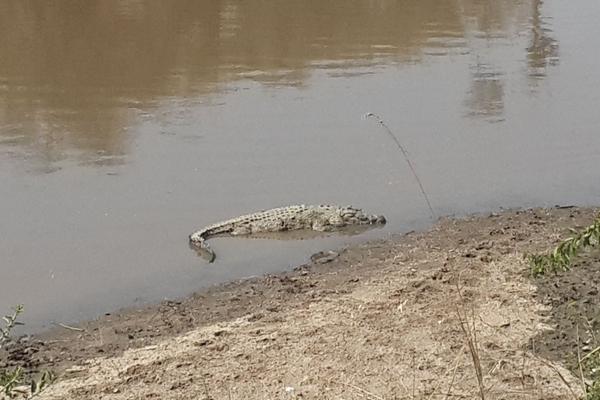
[(359, 319)]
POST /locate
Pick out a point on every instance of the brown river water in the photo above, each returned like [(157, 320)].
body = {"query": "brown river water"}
[(125, 125)]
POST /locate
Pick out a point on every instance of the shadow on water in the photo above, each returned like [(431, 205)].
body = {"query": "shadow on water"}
[(543, 50), (294, 235)]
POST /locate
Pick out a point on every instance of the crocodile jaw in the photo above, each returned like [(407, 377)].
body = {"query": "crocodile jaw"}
[(378, 219)]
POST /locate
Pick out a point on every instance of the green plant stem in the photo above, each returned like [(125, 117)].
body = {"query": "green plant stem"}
[(10, 322), (560, 259)]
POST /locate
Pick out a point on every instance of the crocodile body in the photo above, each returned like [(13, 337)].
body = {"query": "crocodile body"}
[(320, 218)]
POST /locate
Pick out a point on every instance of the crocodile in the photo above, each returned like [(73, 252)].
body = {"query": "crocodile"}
[(321, 218)]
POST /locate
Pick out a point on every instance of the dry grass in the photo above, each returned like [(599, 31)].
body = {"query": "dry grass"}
[(393, 337)]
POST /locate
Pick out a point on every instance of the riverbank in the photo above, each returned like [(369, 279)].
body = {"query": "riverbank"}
[(386, 319)]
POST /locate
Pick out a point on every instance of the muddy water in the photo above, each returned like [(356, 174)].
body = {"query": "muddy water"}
[(125, 125)]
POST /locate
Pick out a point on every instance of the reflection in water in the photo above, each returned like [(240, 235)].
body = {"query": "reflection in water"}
[(486, 95), (302, 234), (493, 19), (543, 50), (307, 234), (75, 75)]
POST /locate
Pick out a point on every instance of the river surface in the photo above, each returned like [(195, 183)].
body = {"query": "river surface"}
[(125, 125)]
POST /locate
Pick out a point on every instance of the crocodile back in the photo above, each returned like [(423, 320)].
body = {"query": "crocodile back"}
[(295, 217)]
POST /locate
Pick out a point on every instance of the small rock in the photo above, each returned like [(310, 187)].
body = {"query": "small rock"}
[(324, 257), (486, 258)]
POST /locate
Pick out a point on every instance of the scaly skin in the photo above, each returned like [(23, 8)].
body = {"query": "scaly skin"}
[(317, 218)]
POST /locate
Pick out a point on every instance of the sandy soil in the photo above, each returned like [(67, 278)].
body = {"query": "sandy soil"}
[(377, 321)]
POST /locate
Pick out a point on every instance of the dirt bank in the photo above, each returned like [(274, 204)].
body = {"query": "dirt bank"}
[(377, 321)]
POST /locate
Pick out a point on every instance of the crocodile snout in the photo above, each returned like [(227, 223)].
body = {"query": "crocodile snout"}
[(379, 219)]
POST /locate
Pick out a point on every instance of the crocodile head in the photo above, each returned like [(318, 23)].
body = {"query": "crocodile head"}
[(354, 216)]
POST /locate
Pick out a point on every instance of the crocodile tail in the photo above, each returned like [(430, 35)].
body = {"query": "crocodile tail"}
[(199, 244)]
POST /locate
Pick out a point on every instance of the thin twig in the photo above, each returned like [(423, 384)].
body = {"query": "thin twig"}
[(453, 373), (523, 372), (448, 393), (579, 360), (464, 324), (69, 327), (405, 154), (591, 353), (471, 336)]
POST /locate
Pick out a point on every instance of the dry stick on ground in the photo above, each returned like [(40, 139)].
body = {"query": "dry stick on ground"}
[(471, 336), (591, 353), (579, 360), (452, 381), (405, 154), (69, 327), (523, 372)]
